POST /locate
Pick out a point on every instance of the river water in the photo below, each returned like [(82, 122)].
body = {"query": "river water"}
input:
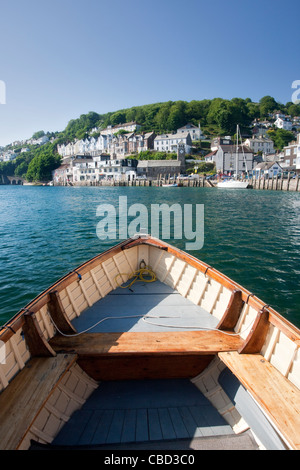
[(251, 236)]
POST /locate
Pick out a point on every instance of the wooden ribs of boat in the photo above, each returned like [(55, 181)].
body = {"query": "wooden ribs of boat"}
[(259, 346)]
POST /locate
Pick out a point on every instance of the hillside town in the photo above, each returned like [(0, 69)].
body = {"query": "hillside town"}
[(118, 152), (111, 154)]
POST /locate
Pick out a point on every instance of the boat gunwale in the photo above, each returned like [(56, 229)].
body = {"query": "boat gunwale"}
[(275, 318)]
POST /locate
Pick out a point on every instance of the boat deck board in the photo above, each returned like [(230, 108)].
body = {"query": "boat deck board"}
[(278, 397), (141, 411), (154, 299)]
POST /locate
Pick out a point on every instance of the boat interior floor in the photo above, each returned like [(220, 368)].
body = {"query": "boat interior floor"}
[(145, 307), (149, 414)]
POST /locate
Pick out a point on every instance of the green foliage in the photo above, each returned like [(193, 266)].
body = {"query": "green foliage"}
[(267, 105), (150, 155), (43, 163), (227, 114), (280, 137), (79, 128), (38, 134), (205, 167)]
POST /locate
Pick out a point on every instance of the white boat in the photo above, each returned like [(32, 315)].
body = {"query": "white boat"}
[(146, 347), (174, 185), (232, 184), (235, 183)]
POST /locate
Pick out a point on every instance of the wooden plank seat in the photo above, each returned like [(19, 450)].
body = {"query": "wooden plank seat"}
[(147, 343), (123, 356), (24, 397), (274, 393)]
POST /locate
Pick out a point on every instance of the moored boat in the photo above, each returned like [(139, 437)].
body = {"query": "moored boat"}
[(232, 184), (145, 346)]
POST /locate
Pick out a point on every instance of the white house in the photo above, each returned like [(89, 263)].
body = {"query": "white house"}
[(169, 142), (195, 132), (267, 169), (93, 169), (260, 144), (283, 123), (8, 156)]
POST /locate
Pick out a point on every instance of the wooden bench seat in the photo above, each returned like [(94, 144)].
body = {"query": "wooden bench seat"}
[(147, 355), (129, 343), (24, 397), (278, 398)]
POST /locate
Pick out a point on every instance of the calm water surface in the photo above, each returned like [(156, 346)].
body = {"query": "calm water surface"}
[(251, 236)]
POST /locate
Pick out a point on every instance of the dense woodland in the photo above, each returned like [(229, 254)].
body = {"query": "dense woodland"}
[(216, 117)]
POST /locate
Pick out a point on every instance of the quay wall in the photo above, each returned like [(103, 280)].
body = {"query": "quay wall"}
[(275, 183)]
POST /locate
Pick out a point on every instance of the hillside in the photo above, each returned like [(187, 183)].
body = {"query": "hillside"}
[(216, 117)]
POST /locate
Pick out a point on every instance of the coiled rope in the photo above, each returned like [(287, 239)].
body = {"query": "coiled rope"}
[(144, 274)]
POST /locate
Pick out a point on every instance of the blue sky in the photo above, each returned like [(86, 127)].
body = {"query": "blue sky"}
[(63, 58)]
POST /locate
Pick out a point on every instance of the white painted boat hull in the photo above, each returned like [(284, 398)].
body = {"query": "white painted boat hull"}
[(233, 184)]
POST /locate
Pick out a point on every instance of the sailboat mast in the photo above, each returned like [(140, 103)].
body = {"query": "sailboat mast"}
[(237, 155)]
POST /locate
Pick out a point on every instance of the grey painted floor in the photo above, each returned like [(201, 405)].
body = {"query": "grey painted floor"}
[(144, 299), (143, 411)]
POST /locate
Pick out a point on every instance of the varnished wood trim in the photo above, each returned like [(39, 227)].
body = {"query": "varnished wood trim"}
[(36, 341), (58, 314), (232, 312), (256, 338)]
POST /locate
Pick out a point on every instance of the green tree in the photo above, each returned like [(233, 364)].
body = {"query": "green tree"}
[(38, 134), (267, 105), (293, 110), (118, 118), (280, 137), (177, 116), (43, 163)]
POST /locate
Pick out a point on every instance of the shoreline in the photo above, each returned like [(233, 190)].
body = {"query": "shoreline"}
[(271, 184)]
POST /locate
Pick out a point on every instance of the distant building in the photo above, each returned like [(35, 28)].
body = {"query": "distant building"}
[(267, 169), (291, 155), (127, 126), (169, 142), (215, 143), (63, 175), (118, 146), (226, 157), (283, 123), (195, 132), (156, 168), (86, 169), (8, 156), (260, 144)]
